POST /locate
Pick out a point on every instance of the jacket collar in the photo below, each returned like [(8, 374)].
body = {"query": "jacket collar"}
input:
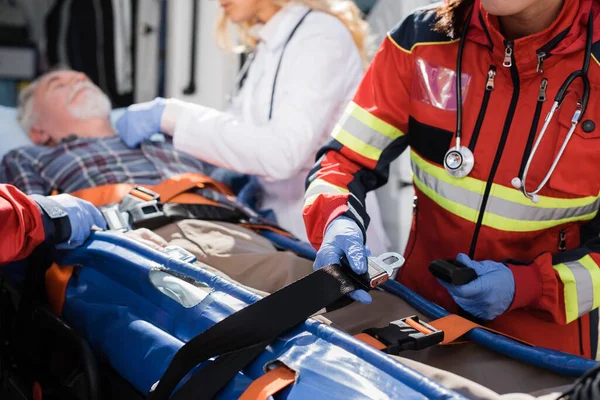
[(567, 34), (276, 31)]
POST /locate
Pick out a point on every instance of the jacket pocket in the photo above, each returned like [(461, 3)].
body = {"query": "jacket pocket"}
[(578, 170)]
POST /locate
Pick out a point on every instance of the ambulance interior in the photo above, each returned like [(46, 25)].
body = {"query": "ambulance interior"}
[(162, 48)]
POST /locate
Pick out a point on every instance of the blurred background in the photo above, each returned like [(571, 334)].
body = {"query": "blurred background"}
[(136, 50)]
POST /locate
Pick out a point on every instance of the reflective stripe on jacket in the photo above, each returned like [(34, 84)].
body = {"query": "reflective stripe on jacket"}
[(407, 97)]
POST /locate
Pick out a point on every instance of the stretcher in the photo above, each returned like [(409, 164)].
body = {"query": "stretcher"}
[(125, 300), (127, 310)]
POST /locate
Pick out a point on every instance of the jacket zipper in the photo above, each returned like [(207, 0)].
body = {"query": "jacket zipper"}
[(489, 87), (507, 124), (562, 240), (543, 52), (534, 125), (508, 55)]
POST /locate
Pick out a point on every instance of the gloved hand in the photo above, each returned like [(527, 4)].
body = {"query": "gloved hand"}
[(344, 237), (82, 215), (140, 121), (488, 296)]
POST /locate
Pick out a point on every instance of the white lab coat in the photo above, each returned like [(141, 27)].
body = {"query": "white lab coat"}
[(320, 71)]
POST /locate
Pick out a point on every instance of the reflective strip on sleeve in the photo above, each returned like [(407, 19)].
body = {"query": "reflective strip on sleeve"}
[(364, 133), (581, 281), (320, 186), (507, 209)]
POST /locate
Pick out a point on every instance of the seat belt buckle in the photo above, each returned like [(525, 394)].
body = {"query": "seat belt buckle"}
[(147, 215), (116, 220), (136, 196), (407, 334), (379, 270)]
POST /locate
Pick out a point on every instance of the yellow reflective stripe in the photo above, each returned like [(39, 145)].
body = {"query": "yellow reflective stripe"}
[(510, 194), (500, 213), (515, 225), (570, 292), (389, 35), (356, 145), (589, 264), (439, 173), (462, 211), (310, 200), (318, 187), (503, 192), (372, 121)]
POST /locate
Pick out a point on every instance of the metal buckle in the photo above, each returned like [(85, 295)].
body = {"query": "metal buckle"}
[(116, 220), (379, 270), (146, 215), (407, 334), (138, 195)]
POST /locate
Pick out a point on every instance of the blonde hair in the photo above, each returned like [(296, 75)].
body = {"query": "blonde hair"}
[(344, 10)]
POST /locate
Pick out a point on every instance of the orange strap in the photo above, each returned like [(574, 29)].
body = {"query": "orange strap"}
[(172, 190), (370, 340), (269, 384), (57, 279), (105, 194), (455, 326)]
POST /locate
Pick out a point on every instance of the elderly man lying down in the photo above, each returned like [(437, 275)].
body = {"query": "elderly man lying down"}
[(68, 118)]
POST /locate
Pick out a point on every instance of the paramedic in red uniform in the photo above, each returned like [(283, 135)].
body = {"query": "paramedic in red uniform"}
[(537, 255), (27, 221)]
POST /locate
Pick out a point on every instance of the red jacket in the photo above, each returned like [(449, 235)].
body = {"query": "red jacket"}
[(407, 98), (22, 228)]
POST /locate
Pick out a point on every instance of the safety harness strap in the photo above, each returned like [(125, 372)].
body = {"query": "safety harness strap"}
[(242, 336), (269, 384), (455, 326), (189, 195)]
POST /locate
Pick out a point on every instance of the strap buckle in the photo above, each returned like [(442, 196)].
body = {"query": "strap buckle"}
[(144, 209), (116, 220), (406, 334)]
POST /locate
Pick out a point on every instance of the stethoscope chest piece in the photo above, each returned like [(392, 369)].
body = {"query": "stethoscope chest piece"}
[(459, 162)]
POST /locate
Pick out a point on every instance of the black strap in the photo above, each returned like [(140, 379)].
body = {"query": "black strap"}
[(586, 387), (242, 336)]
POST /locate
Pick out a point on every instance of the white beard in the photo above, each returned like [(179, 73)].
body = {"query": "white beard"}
[(95, 104)]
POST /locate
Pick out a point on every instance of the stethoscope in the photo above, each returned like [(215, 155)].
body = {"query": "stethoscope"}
[(243, 73), (459, 160)]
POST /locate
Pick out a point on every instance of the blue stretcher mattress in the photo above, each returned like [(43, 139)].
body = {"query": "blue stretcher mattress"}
[(114, 300), (556, 361)]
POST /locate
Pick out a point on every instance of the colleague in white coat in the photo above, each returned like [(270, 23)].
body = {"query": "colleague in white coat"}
[(307, 58)]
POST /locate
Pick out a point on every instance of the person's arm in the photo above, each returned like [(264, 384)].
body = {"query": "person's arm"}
[(27, 221), (18, 169), (22, 228), (318, 64), (369, 136), (564, 286)]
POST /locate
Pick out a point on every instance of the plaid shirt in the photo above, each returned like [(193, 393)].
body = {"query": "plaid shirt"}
[(79, 163)]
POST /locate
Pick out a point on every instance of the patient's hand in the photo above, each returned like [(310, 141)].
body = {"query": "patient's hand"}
[(147, 237)]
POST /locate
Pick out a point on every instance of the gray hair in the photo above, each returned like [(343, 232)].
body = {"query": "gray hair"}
[(26, 114)]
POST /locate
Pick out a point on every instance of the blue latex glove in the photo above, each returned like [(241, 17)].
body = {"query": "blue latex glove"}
[(82, 215), (140, 121), (344, 237), (488, 296)]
